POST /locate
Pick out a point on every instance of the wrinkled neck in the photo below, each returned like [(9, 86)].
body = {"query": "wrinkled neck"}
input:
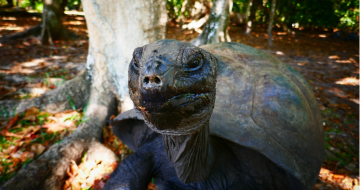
[(192, 155)]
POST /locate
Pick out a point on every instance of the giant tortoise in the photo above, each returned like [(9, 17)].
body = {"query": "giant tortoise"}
[(223, 116)]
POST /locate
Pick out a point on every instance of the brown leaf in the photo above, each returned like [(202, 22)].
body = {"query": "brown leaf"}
[(62, 116), (37, 148), (98, 184), (54, 127), (74, 168), (12, 121), (25, 155), (10, 134), (31, 113), (151, 186), (337, 176)]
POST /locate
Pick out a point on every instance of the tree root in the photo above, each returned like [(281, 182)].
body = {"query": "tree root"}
[(49, 170), (34, 31), (73, 93)]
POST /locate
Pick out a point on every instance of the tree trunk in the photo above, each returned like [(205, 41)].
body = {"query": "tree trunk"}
[(216, 28), (63, 5), (248, 18), (271, 20), (186, 7), (115, 29), (51, 27), (10, 3), (51, 21), (277, 19), (32, 4)]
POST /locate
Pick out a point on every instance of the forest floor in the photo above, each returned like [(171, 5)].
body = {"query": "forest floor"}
[(28, 69)]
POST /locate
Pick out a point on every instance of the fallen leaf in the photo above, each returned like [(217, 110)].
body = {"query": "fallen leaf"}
[(25, 155), (98, 184), (37, 148), (74, 168), (31, 113), (16, 154), (55, 127), (62, 116), (10, 134), (12, 121), (151, 186)]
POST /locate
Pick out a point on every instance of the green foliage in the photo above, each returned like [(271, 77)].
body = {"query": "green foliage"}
[(320, 13), (71, 102), (174, 8), (348, 12), (73, 4), (35, 4), (341, 14), (239, 6)]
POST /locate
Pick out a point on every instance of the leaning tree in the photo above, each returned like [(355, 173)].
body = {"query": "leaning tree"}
[(115, 28), (216, 27), (50, 27)]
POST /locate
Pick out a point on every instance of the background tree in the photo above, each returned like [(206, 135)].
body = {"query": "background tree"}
[(248, 17), (10, 3), (51, 27), (114, 32), (216, 28), (271, 20)]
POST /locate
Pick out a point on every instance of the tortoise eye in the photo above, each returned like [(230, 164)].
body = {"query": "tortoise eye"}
[(135, 62), (136, 57), (194, 64)]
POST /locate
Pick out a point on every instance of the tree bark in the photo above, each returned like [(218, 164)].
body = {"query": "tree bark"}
[(216, 28), (10, 3), (277, 19), (186, 7), (271, 20), (51, 21), (63, 5), (115, 29), (51, 27), (248, 17), (76, 91)]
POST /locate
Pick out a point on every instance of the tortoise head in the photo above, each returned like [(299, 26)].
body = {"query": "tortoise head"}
[(173, 83)]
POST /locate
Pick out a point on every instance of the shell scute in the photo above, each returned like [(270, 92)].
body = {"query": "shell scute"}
[(267, 106)]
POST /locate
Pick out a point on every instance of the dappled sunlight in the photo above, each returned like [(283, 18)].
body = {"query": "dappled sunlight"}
[(14, 28), (8, 18), (348, 81), (35, 65), (348, 61), (355, 100), (281, 33), (343, 181), (28, 70), (28, 135), (74, 12), (333, 57), (279, 53), (89, 173), (74, 22)]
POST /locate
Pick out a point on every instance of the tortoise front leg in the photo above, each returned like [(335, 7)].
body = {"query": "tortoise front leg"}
[(134, 172)]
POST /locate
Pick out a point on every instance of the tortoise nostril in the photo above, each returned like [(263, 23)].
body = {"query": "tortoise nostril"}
[(146, 80), (157, 80)]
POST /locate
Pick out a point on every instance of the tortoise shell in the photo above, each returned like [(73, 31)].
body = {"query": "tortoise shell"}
[(267, 106)]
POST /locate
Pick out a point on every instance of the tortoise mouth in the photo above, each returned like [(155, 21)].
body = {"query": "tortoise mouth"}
[(156, 104)]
